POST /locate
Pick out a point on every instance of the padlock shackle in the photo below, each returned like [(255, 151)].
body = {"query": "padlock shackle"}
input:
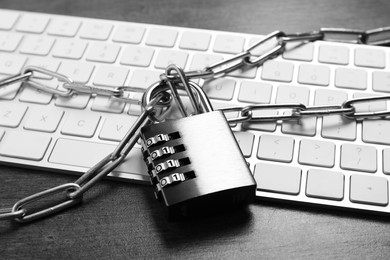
[(162, 86)]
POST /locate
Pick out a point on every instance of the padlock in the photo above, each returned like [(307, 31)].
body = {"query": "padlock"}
[(195, 163)]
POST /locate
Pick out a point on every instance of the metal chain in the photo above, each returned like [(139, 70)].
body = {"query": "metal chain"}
[(161, 99)]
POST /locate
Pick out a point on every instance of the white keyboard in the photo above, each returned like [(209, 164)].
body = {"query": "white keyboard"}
[(326, 161)]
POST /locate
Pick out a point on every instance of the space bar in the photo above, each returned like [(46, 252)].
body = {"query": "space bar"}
[(86, 154)]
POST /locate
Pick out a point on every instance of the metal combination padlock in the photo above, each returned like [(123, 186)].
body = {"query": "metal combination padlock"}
[(195, 163)]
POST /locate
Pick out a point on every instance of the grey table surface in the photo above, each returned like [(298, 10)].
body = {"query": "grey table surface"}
[(122, 220)]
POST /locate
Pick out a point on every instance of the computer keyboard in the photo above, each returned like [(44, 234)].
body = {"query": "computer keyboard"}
[(327, 161)]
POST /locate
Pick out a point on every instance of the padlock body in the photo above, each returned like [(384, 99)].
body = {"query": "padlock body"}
[(205, 169)]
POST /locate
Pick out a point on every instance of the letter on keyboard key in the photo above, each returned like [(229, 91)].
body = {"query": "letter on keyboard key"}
[(11, 64), (144, 78), (325, 184), (369, 189), (245, 141), (278, 178), (80, 124), (9, 92), (292, 94), (107, 104), (275, 148), (78, 71), (278, 71), (44, 120), (103, 52), (24, 145), (358, 158), (299, 51), (86, 154), (33, 95), (79, 101), (111, 76), (202, 60), (381, 81), (314, 74), (338, 127), (220, 88), (36, 45), (317, 153), (115, 127), (11, 114), (255, 92)]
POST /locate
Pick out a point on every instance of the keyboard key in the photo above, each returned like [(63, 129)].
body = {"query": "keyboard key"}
[(264, 125), (63, 27), (358, 158), (69, 48), (24, 145), (329, 97), (95, 30), (338, 127), (371, 58), (32, 23), (368, 189), (78, 71), (78, 101), (325, 184), (244, 72), (11, 64), (168, 57), (245, 141), (11, 114), (314, 75), (7, 19), (37, 45), (161, 37), (107, 104), (9, 41), (80, 124), (231, 44), (202, 60), (333, 54), (87, 154), (45, 63), (144, 78), (278, 178), (255, 92), (9, 92), (275, 148), (103, 52), (304, 126), (351, 78), (376, 131), (222, 89), (128, 34), (34, 95), (278, 71), (292, 94), (112, 76), (299, 51), (386, 161), (316, 153), (43, 120), (192, 40), (381, 81), (137, 56), (115, 127), (369, 106)]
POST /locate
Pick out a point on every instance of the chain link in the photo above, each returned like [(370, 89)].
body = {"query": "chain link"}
[(157, 99)]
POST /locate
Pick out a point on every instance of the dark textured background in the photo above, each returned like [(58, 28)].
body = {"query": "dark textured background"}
[(121, 220)]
